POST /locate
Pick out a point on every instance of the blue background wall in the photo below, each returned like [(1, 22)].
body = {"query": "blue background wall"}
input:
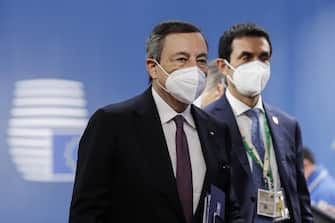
[(102, 45)]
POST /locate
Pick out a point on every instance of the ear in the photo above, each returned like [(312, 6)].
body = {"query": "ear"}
[(224, 69), (222, 66), (151, 67)]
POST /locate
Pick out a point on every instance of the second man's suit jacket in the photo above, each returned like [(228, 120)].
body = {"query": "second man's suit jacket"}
[(124, 172), (287, 144)]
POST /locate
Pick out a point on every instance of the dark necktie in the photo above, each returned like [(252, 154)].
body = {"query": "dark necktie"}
[(183, 170), (257, 141)]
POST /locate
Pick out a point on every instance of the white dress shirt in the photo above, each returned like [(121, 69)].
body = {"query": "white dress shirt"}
[(197, 102), (244, 125), (166, 115)]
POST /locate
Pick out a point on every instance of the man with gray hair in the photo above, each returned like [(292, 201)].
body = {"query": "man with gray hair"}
[(155, 157), (214, 86)]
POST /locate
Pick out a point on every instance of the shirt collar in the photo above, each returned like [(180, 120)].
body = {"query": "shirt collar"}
[(167, 113), (239, 108)]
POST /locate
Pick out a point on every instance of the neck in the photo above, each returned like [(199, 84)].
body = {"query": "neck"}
[(170, 100), (250, 101)]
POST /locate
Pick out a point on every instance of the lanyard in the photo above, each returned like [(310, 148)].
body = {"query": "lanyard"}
[(251, 150)]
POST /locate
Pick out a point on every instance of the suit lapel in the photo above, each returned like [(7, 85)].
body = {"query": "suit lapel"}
[(206, 132), (226, 114), (152, 139), (279, 142), (155, 150), (280, 145)]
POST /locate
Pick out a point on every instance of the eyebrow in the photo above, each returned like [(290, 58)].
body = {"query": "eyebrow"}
[(188, 55), (181, 54), (203, 55), (246, 53)]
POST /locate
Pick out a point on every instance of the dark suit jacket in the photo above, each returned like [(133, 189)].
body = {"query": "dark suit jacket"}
[(124, 172), (286, 138)]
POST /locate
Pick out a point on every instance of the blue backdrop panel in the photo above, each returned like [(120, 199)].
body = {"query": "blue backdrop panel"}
[(61, 60)]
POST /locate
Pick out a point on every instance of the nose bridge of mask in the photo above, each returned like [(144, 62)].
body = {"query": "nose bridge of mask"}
[(182, 70), (258, 65), (262, 65)]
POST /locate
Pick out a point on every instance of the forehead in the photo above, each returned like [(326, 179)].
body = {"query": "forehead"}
[(250, 44), (192, 43)]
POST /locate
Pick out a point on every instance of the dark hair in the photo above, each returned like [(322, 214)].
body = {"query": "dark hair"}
[(238, 31), (308, 155), (155, 42)]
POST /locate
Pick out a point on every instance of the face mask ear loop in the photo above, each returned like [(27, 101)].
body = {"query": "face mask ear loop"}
[(160, 67), (157, 81), (228, 64), (228, 76)]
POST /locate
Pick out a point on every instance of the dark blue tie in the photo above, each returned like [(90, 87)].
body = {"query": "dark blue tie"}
[(257, 141), (183, 170)]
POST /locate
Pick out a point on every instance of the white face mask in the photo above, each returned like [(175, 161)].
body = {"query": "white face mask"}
[(251, 78), (184, 84)]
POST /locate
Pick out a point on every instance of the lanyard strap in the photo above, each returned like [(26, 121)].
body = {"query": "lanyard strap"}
[(251, 150)]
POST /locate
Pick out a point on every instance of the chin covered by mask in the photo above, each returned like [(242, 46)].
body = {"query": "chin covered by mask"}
[(251, 78), (185, 84)]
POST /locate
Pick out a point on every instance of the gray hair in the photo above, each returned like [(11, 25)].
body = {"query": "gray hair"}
[(155, 46), (155, 42), (214, 76)]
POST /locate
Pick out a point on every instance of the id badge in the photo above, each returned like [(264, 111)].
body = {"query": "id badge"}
[(266, 203), (272, 204), (282, 212)]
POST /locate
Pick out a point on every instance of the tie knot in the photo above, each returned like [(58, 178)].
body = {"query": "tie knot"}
[(179, 120), (253, 113)]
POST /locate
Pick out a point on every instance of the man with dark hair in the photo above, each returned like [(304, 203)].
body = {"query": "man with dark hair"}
[(266, 159), (154, 158), (308, 157), (239, 31), (321, 184)]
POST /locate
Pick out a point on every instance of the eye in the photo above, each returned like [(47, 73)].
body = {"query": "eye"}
[(265, 59), (181, 59), (203, 61), (246, 58)]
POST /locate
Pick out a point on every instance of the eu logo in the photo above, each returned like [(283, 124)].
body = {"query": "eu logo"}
[(47, 120)]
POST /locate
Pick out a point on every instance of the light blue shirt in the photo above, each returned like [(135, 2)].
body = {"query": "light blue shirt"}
[(322, 187)]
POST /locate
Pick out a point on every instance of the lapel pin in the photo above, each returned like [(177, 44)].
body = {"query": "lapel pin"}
[(211, 133), (275, 120)]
